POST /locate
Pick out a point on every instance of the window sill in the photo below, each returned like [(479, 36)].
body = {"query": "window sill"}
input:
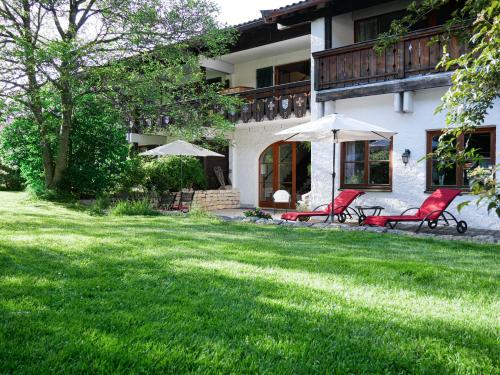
[(464, 191), (374, 189)]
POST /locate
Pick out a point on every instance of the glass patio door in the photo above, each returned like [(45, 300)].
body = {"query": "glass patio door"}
[(277, 171)]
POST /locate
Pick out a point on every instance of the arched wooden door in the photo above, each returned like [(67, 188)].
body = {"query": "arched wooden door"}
[(277, 171)]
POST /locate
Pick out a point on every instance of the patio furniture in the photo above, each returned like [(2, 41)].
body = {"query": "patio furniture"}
[(219, 173), (432, 211), (377, 210), (337, 128), (342, 208), (167, 200), (185, 201), (282, 196)]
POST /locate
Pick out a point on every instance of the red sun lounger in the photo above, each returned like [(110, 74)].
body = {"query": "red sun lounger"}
[(342, 209), (432, 211)]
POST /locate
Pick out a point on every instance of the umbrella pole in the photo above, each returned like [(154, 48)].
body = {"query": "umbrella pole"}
[(332, 213), (180, 189)]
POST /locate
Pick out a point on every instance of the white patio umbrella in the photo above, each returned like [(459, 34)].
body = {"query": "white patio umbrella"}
[(336, 128), (180, 148)]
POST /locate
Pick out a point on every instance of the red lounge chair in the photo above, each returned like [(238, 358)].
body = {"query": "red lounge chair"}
[(431, 211), (342, 203)]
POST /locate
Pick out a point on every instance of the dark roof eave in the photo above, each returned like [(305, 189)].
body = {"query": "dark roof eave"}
[(272, 16)]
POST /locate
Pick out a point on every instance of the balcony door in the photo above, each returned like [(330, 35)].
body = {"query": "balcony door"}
[(277, 172), (284, 166)]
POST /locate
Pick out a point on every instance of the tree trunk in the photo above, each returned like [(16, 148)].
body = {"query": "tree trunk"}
[(33, 92), (62, 160)]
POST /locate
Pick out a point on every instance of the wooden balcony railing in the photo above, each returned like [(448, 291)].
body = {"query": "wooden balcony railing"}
[(359, 63), (270, 103)]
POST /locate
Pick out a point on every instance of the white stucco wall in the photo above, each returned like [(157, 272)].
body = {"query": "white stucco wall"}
[(391, 6), (249, 141), (245, 73), (409, 182)]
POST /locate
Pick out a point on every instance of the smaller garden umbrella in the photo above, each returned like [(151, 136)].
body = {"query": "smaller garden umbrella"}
[(180, 148)]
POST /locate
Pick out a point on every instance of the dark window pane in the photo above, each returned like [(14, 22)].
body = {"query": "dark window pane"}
[(354, 173), (385, 20), (266, 175), (366, 29), (379, 173), (265, 77), (295, 72), (443, 177), (379, 150), (355, 151), (216, 80), (480, 142)]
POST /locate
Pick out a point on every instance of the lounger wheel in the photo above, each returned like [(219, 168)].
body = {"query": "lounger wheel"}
[(342, 218), (432, 224), (461, 227), (361, 219)]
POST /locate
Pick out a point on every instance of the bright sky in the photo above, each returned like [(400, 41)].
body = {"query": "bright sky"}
[(234, 12)]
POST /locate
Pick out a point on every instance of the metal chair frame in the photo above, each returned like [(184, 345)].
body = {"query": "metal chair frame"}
[(460, 225), (342, 217)]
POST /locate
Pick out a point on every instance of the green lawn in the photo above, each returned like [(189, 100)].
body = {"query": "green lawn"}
[(83, 294)]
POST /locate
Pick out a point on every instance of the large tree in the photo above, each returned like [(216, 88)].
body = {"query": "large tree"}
[(476, 84), (141, 54)]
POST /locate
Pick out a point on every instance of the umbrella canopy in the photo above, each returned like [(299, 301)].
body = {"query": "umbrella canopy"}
[(336, 128), (347, 129), (180, 148)]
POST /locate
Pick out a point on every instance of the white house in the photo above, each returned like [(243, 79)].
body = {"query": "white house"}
[(316, 57)]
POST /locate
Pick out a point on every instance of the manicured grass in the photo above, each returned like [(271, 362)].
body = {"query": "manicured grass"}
[(83, 294)]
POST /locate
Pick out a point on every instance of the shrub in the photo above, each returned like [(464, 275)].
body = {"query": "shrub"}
[(100, 206), (257, 212), (133, 208), (198, 213), (10, 178), (98, 153), (163, 174), (133, 175)]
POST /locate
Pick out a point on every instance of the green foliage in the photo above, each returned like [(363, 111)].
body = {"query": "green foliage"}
[(10, 178), (100, 206), (133, 208), (98, 150), (483, 184), (476, 80), (133, 174), (20, 148), (145, 59), (257, 212), (164, 174), (197, 212)]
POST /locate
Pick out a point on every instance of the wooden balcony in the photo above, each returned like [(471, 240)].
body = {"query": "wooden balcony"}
[(271, 103), (359, 64)]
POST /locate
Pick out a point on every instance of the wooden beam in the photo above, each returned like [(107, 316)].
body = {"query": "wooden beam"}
[(388, 87)]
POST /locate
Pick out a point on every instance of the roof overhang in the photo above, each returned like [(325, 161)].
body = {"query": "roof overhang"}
[(302, 7)]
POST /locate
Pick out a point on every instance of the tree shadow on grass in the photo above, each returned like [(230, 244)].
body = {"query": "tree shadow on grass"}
[(151, 316), (398, 262)]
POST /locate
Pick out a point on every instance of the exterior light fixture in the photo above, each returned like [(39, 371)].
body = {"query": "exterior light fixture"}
[(406, 156)]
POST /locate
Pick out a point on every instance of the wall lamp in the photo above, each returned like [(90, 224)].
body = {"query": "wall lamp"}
[(406, 156)]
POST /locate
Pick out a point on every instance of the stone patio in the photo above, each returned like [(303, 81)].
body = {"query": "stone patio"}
[(441, 232)]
